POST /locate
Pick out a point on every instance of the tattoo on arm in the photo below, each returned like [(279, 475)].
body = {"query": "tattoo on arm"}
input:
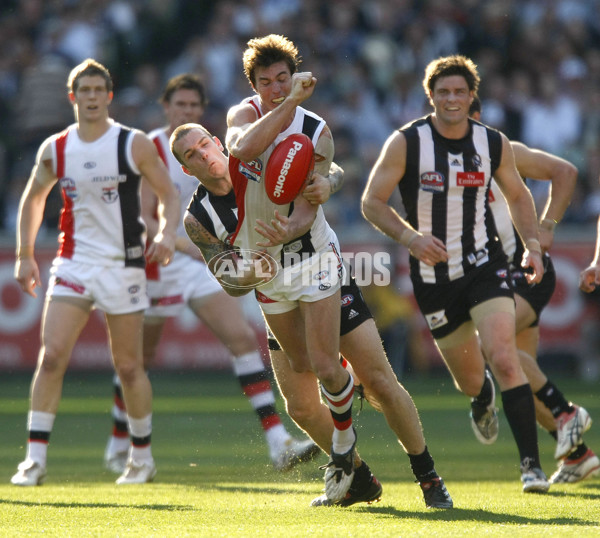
[(208, 244)]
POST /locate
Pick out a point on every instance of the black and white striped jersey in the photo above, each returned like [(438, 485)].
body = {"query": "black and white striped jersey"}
[(445, 192), (509, 237), (218, 214)]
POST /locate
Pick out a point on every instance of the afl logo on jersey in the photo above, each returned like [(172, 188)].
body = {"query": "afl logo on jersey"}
[(89, 165), (110, 194), (251, 170), (432, 182), (69, 188), (347, 300), (321, 275), (477, 160)]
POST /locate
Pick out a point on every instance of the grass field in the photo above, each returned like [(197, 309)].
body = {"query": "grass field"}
[(214, 477)]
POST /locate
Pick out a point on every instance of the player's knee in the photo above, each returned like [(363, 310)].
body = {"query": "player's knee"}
[(128, 370), (382, 387), (302, 412), (506, 366), (52, 360), (330, 372), (470, 385), (242, 341)]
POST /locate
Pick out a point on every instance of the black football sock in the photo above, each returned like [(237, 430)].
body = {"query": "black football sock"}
[(422, 466), (480, 403), (520, 413), (577, 453), (553, 399)]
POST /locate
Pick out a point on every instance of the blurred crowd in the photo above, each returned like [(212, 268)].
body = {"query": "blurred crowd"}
[(539, 61)]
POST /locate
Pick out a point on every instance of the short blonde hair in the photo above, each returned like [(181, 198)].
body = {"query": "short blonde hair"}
[(180, 132)]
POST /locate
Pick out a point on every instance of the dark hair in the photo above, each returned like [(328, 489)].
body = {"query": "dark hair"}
[(449, 66), (475, 106), (268, 50), (88, 68), (186, 81)]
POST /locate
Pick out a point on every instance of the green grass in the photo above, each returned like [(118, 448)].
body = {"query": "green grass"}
[(214, 475)]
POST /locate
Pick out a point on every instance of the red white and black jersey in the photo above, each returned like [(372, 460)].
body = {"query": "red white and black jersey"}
[(185, 184), (253, 202), (100, 222), (445, 193)]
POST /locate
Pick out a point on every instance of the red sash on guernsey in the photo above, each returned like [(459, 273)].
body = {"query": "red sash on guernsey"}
[(240, 183), (66, 222)]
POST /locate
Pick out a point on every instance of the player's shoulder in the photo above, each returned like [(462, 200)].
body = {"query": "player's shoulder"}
[(249, 110), (139, 140), (414, 124), (133, 131), (45, 151), (311, 114), (491, 131), (200, 194)]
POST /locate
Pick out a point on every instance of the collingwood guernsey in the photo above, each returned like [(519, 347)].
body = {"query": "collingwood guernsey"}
[(445, 193)]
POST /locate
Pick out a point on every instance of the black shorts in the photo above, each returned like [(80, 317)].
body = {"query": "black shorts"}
[(446, 306), (354, 313), (537, 295)]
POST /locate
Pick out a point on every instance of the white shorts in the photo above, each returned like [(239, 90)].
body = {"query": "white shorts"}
[(114, 290), (179, 282), (313, 279)]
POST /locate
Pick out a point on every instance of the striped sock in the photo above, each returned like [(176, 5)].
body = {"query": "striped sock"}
[(141, 433), (340, 406), (119, 413), (39, 427), (254, 380)]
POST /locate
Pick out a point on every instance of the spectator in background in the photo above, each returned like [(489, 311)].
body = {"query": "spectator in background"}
[(187, 36), (42, 108), (551, 122)]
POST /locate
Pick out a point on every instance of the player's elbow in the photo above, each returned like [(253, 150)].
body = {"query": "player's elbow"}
[(368, 206), (240, 148), (242, 152), (570, 173)]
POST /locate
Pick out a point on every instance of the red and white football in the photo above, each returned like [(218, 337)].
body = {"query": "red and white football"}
[(289, 168)]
